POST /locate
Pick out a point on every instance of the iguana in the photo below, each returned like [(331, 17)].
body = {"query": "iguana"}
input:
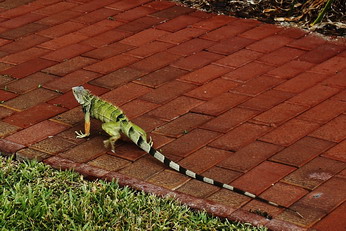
[(116, 123)]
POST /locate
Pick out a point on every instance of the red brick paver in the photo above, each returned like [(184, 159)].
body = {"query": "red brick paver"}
[(258, 106)]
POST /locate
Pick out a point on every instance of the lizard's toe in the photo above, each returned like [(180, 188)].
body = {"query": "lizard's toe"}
[(80, 134), (106, 143), (150, 142)]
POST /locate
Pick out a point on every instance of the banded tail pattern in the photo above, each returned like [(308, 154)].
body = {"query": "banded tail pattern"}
[(115, 121), (145, 146)]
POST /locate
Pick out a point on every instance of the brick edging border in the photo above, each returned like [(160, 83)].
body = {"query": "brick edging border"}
[(215, 209)]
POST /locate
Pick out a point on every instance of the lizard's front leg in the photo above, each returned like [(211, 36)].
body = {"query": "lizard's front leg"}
[(80, 134)]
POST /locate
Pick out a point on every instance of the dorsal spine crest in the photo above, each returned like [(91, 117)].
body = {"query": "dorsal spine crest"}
[(115, 122)]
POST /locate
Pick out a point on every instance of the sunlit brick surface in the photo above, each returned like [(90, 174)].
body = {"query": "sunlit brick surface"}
[(255, 105)]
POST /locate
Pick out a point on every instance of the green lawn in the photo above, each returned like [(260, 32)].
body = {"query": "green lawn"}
[(34, 196)]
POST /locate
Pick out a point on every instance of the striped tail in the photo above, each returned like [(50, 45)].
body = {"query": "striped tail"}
[(145, 146)]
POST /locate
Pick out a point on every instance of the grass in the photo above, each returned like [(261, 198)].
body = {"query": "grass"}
[(34, 196)]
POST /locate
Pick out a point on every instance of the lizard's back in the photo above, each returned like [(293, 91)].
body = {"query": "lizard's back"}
[(105, 111)]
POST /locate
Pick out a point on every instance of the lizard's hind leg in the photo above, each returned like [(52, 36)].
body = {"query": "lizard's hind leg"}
[(143, 134), (113, 129)]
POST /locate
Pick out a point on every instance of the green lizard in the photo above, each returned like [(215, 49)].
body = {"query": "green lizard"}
[(116, 123)]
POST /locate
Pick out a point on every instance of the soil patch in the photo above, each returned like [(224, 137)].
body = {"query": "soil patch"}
[(298, 13)]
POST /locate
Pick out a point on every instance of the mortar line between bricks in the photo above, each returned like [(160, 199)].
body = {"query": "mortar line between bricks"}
[(12, 108), (205, 39), (60, 122)]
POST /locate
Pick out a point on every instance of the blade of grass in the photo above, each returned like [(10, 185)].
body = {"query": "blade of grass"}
[(33, 196), (323, 12)]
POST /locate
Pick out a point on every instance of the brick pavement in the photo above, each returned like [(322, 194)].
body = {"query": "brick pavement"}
[(255, 105)]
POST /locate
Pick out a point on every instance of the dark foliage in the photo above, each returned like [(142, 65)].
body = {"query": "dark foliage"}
[(301, 13)]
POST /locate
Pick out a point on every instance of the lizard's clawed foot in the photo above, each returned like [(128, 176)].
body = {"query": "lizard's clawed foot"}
[(150, 142), (106, 143), (81, 135), (110, 142)]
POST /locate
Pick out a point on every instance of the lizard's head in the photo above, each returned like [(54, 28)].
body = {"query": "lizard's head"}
[(81, 94)]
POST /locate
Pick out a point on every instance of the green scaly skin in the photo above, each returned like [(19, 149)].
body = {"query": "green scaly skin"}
[(116, 123)]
